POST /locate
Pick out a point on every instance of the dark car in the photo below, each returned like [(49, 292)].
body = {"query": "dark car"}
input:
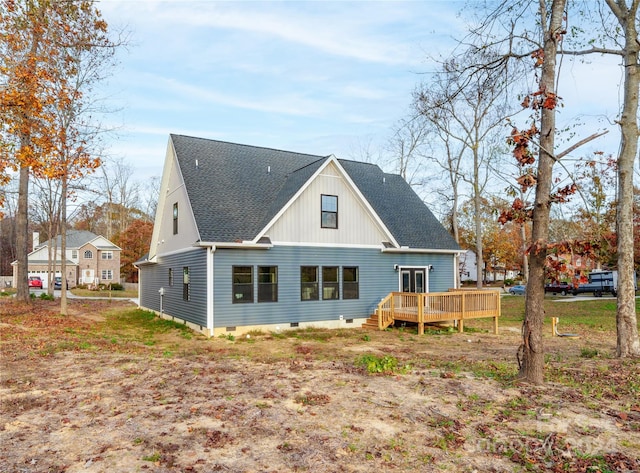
[(561, 288), (517, 290), (35, 281), (57, 282)]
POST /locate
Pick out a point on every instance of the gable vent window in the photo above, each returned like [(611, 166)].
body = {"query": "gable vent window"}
[(242, 284), (175, 218), (329, 211)]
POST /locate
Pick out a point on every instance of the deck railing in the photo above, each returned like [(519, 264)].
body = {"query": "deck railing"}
[(439, 307)]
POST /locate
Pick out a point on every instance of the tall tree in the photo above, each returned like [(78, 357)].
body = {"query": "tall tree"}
[(27, 45), (468, 107), (44, 43), (626, 13)]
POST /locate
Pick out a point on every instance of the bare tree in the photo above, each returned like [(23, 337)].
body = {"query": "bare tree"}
[(626, 13), (468, 107)]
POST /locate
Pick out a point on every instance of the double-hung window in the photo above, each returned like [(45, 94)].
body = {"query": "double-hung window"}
[(242, 284), (267, 284), (185, 283), (330, 283), (329, 211), (309, 283), (106, 254), (350, 282)]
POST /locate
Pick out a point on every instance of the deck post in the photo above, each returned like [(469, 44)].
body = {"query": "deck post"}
[(421, 314), (461, 321), (498, 308)]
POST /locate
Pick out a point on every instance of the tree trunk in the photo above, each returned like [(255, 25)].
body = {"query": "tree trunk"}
[(628, 344), (532, 364), (22, 234), (63, 245)]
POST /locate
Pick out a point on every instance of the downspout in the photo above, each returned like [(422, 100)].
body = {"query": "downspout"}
[(210, 290)]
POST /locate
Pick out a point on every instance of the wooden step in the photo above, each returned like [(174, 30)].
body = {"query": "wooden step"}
[(371, 323)]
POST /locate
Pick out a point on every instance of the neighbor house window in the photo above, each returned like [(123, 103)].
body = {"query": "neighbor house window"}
[(330, 285), (185, 283), (175, 218), (242, 284), (88, 254), (309, 283), (107, 274), (170, 276), (74, 254), (350, 283), (267, 284), (329, 211), (107, 255)]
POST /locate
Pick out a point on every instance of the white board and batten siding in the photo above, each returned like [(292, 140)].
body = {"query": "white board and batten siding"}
[(173, 191), (300, 223)]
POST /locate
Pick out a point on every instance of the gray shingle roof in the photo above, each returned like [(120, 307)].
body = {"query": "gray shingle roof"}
[(75, 239), (235, 190)]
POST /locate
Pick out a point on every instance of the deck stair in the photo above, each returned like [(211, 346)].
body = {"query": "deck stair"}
[(371, 323)]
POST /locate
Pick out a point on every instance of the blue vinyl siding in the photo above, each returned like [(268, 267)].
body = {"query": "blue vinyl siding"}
[(377, 277), (156, 276)]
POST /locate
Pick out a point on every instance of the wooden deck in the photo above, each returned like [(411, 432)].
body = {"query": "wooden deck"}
[(438, 307)]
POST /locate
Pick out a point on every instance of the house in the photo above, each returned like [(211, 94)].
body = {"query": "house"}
[(90, 259), (254, 238)]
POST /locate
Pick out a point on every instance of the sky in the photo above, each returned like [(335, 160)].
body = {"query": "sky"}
[(316, 77)]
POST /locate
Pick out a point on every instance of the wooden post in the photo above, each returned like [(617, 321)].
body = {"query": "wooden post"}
[(421, 314), (461, 321), (498, 308)]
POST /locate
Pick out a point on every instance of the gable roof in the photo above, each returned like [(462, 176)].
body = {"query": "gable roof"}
[(236, 190), (76, 239)]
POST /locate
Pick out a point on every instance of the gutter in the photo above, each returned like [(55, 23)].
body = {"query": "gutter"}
[(246, 245), (406, 249)]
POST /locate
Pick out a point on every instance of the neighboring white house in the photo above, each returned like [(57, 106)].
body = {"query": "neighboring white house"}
[(468, 267)]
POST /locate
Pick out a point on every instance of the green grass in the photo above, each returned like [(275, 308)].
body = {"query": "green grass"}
[(594, 314), (104, 293), (142, 325)]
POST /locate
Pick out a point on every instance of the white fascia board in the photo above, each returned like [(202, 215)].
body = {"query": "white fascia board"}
[(354, 188), (100, 236), (421, 250), (325, 245)]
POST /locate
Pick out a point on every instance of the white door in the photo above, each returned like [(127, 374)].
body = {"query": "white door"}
[(87, 276)]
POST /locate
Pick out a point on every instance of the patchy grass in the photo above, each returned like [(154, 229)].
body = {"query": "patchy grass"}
[(119, 389), (104, 293)]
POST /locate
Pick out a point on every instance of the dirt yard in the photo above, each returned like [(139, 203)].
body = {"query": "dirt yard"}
[(90, 392)]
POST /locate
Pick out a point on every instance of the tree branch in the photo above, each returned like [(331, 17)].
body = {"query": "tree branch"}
[(561, 155)]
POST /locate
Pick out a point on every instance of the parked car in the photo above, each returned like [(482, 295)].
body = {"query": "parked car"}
[(35, 281), (517, 290), (561, 288), (57, 282)]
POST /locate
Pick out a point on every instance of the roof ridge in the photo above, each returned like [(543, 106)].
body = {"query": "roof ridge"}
[(247, 146)]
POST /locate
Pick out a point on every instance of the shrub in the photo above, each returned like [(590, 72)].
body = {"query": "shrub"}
[(117, 286), (385, 364)]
